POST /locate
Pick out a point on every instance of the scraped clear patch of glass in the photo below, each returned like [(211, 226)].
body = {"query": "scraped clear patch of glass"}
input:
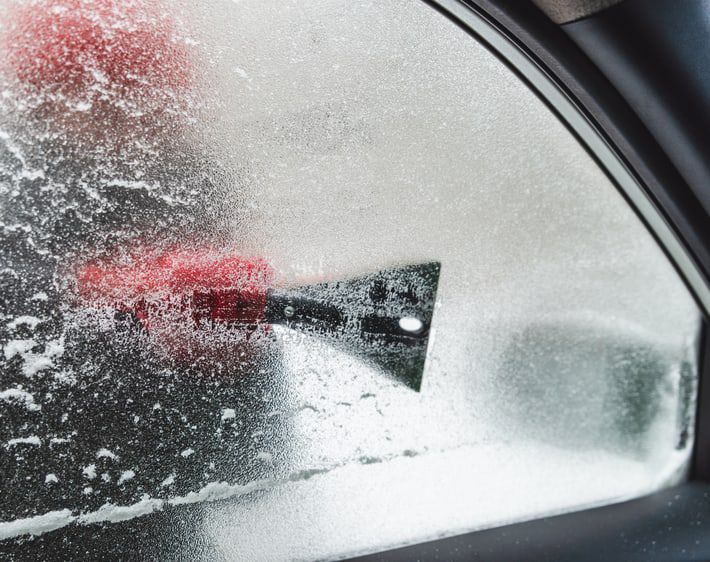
[(324, 273)]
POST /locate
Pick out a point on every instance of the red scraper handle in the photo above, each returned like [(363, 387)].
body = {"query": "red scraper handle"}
[(210, 286)]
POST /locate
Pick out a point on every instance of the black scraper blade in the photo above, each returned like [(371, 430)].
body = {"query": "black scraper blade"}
[(383, 318)]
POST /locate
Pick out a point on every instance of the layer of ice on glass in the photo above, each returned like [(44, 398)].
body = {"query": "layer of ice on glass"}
[(330, 139)]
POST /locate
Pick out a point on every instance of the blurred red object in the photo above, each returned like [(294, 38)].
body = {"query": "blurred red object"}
[(72, 45)]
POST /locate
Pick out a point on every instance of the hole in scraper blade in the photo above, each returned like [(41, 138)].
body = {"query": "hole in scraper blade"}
[(411, 324)]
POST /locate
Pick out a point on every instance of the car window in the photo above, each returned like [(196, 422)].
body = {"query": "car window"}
[(326, 272)]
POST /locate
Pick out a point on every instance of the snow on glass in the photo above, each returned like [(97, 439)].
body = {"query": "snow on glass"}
[(150, 153)]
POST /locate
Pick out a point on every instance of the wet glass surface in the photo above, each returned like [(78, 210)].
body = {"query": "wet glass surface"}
[(195, 205)]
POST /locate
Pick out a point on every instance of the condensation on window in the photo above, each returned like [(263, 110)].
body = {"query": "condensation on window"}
[(201, 208)]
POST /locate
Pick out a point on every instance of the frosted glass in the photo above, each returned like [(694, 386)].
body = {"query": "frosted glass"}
[(329, 139)]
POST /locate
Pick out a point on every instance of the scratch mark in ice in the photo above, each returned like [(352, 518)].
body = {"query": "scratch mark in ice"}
[(19, 396), (32, 440), (126, 475), (30, 321), (105, 453)]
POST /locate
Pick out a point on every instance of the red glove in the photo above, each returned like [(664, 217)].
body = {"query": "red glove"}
[(70, 46)]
